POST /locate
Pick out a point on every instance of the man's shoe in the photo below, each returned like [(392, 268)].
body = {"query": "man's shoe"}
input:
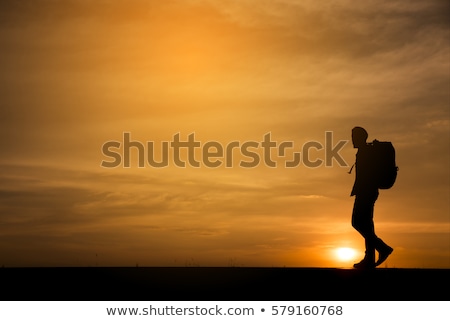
[(364, 265), (382, 256)]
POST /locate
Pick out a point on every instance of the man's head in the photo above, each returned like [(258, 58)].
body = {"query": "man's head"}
[(359, 137)]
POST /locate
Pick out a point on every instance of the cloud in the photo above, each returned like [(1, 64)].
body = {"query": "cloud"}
[(339, 27)]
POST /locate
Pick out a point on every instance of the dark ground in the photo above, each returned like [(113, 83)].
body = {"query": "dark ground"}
[(223, 284)]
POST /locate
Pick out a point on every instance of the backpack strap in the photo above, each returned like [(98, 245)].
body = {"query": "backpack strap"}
[(350, 171)]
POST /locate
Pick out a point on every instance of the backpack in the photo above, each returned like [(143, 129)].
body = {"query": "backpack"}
[(386, 168)]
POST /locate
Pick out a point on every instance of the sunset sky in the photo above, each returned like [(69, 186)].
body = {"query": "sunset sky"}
[(78, 73)]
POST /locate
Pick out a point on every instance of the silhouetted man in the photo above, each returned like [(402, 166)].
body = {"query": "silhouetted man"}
[(365, 190)]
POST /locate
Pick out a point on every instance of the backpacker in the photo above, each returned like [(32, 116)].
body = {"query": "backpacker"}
[(386, 168)]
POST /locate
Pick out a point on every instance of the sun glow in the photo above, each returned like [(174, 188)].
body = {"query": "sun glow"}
[(345, 253)]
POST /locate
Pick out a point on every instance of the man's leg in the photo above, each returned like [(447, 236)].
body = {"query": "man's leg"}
[(384, 251), (362, 221)]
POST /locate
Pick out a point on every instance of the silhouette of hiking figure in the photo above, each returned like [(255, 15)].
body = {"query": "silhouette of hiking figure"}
[(365, 190)]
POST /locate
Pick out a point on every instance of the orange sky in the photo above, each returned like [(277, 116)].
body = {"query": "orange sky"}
[(76, 74)]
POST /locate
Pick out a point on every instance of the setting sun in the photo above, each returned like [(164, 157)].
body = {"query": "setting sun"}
[(345, 253)]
